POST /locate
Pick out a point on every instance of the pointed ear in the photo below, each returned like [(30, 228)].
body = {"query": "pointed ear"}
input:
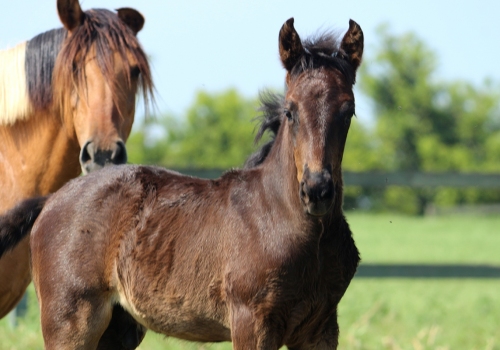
[(132, 18), (70, 14), (352, 44), (291, 49)]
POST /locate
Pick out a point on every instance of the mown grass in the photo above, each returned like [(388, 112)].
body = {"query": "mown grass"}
[(386, 313), (392, 238), (420, 314)]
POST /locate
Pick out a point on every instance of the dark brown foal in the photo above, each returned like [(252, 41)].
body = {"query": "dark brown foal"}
[(260, 257)]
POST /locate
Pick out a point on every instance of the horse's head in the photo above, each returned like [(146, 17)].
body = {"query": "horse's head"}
[(97, 74), (319, 105)]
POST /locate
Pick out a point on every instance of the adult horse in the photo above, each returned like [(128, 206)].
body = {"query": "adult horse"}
[(260, 256), (67, 104)]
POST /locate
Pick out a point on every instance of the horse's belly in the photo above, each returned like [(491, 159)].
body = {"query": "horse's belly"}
[(193, 328), (178, 317)]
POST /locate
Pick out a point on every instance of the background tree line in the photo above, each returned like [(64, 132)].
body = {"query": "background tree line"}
[(421, 124)]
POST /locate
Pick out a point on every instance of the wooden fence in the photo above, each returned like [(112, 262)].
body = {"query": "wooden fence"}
[(427, 271), (384, 179)]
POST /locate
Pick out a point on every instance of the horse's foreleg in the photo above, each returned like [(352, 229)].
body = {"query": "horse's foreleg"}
[(73, 320), (329, 338), (15, 276), (323, 338), (249, 333)]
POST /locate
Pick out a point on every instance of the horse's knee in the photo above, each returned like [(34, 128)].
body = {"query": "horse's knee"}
[(66, 325), (249, 332)]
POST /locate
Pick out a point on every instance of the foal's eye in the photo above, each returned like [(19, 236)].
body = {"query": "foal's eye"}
[(347, 119), (288, 114)]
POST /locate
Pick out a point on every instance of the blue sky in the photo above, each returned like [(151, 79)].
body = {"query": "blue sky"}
[(214, 45)]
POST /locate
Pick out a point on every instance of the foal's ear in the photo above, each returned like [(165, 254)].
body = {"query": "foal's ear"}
[(70, 14), (132, 18), (291, 49), (352, 44)]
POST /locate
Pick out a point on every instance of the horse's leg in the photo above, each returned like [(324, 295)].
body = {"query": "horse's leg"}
[(327, 339), (15, 276), (123, 332), (72, 317), (249, 333)]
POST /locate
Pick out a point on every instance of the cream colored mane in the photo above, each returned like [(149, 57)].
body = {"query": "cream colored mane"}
[(14, 100)]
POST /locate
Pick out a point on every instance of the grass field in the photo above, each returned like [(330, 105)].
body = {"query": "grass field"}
[(387, 313)]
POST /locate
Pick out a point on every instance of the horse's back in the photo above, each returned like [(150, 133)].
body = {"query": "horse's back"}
[(78, 224), (94, 224)]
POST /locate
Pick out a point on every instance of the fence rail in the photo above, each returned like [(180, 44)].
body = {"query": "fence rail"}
[(418, 179), (399, 178), (427, 271)]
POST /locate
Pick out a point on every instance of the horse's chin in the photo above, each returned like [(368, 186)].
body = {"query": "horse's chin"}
[(90, 167), (318, 209)]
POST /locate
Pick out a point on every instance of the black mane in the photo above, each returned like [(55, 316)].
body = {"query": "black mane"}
[(41, 54), (321, 50)]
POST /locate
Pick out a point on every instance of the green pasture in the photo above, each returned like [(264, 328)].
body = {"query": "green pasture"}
[(387, 313)]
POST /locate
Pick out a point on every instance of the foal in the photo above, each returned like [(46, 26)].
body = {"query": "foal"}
[(260, 257)]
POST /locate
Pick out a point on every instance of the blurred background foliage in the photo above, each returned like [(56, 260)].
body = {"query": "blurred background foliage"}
[(420, 124)]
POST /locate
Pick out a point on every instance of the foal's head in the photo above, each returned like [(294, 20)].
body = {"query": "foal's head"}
[(318, 107), (97, 74)]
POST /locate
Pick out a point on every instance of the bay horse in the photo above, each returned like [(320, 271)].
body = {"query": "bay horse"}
[(260, 257), (67, 104)]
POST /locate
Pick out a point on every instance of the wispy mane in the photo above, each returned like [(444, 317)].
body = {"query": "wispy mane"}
[(270, 121)]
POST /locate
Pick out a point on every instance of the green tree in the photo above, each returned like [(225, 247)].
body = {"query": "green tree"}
[(217, 132), (425, 125)]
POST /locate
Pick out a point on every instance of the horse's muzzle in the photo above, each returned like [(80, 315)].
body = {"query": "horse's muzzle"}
[(93, 158), (317, 192)]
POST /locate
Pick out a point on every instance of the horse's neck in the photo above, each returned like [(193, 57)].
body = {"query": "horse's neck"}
[(37, 156), (280, 176)]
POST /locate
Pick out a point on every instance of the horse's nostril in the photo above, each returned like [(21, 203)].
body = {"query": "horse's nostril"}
[(119, 155), (302, 189), (317, 192), (86, 153), (327, 192)]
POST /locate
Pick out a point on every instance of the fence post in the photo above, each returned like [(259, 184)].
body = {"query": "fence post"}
[(18, 312)]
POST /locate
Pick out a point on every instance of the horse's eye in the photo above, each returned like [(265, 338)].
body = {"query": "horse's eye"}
[(347, 119), (347, 116), (288, 114), (134, 71)]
